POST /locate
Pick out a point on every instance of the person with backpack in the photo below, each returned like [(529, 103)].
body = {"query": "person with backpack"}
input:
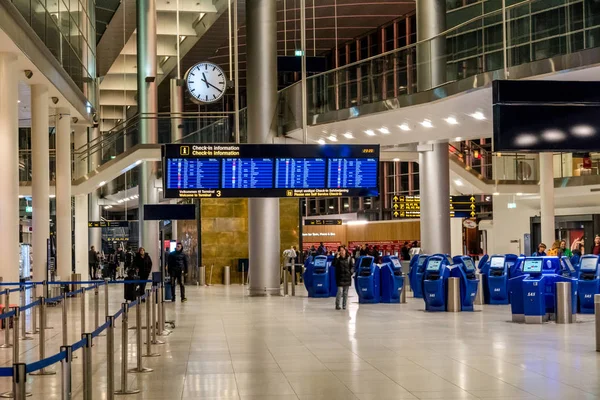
[(142, 264), (555, 250), (129, 256), (343, 277), (177, 268), (93, 261)]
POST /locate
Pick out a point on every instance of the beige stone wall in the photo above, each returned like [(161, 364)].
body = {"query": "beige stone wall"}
[(225, 234)]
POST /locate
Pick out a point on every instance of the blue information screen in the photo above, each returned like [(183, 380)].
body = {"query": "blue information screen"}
[(186, 173), (263, 170), (433, 265), (247, 173), (534, 265), (302, 173)]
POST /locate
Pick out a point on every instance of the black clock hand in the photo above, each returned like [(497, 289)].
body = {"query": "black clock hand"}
[(208, 83), (204, 80)]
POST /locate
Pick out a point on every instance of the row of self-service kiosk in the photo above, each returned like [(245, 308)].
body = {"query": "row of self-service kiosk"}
[(374, 283)]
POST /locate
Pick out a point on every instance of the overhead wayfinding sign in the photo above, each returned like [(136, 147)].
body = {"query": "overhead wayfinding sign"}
[(270, 170), (108, 224), (410, 206), (311, 222)]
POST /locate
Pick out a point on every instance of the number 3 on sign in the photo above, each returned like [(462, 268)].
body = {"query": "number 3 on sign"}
[(218, 193)]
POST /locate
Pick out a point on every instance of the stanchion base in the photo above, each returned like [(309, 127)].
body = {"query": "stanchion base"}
[(156, 342), (151, 355), (26, 338), (128, 391), (43, 372), (166, 332), (140, 370), (11, 395), (6, 346)]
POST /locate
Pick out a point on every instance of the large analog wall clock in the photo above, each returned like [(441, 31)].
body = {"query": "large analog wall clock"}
[(206, 82)]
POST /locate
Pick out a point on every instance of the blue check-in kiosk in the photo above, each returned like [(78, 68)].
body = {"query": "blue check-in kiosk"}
[(497, 277), (464, 269), (392, 280), (417, 274), (307, 275), (332, 281), (367, 281), (567, 268), (320, 277), (435, 282), (589, 282)]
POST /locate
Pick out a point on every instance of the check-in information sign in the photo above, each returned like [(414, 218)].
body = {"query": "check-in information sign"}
[(270, 170)]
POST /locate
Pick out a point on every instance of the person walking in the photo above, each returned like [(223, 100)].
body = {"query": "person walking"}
[(93, 260), (343, 277), (177, 268), (142, 263), (120, 263)]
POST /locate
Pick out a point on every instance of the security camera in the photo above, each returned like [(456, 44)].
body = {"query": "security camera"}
[(28, 73), (74, 119), (54, 99)]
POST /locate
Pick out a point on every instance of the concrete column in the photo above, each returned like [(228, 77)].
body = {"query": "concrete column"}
[(40, 182), (431, 55), (547, 198), (95, 235), (9, 168), (176, 109), (64, 214), (263, 214), (81, 211), (456, 236), (148, 128), (434, 189)]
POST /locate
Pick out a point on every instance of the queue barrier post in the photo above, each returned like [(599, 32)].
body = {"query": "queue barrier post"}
[(42, 345), (6, 321), (87, 366), (124, 347), (83, 316), (110, 358), (24, 316), (149, 352), (34, 328), (19, 380), (65, 365), (138, 339), (154, 317)]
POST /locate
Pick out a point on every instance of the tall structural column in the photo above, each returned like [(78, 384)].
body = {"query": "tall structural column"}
[(147, 108), (434, 189), (95, 235), (547, 198), (9, 168), (64, 214), (263, 214), (81, 210), (176, 125), (40, 179), (434, 174)]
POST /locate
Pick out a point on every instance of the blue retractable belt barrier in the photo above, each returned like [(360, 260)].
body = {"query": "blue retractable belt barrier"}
[(7, 314), (30, 305), (46, 362), (6, 371), (100, 329), (118, 314), (78, 345)]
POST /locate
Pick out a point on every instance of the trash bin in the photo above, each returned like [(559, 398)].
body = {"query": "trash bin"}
[(479, 296), (564, 305), (75, 278), (202, 276), (453, 304), (226, 275)]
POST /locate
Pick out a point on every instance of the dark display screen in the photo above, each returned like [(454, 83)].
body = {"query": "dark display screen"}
[(469, 266), (251, 170), (366, 262), (434, 265), (534, 266)]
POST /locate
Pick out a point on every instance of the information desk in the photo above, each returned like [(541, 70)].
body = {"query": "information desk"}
[(269, 170)]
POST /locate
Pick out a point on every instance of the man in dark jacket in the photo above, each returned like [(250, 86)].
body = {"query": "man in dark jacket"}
[(177, 267), (93, 260), (343, 276), (143, 266)]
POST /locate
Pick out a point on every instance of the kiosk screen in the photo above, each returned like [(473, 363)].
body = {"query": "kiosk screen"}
[(532, 266), (366, 262), (421, 260), (434, 265), (589, 263), (450, 262), (568, 264), (320, 262), (497, 262), (469, 266), (396, 263)]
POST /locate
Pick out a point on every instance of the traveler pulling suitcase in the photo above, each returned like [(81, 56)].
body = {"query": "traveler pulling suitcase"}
[(130, 289)]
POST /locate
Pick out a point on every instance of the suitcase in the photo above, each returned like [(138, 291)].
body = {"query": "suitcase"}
[(168, 291), (130, 289)]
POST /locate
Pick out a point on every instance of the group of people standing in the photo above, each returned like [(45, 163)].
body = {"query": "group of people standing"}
[(139, 266), (559, 248)]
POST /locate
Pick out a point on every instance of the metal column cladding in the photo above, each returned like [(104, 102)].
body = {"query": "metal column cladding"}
[(431, 55), (148, 125), (434, 187), (263, 214)]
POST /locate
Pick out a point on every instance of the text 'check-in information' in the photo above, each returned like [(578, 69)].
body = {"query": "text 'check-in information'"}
[(270, 170)]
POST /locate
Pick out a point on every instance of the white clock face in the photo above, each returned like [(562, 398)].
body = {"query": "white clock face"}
[(206, 82)]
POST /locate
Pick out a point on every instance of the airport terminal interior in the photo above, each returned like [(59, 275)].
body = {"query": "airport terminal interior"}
[(299, 199)]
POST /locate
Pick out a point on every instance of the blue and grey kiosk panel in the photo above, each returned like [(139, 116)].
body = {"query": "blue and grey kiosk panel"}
[(417, 285), (434, 283), (320, 277), (464, 269), (368, 281), (392, 281), (498, 281), (589, 283)]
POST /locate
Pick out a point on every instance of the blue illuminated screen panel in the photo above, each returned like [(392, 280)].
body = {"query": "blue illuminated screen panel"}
[(251, 170), (469, 266), (588, 263), (396, 263), (320, 262), (534, 266), (434, 264), (568, 264), (497, 262), (421, 260)]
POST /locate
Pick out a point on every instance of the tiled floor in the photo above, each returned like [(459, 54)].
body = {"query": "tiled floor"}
[(228, 346)]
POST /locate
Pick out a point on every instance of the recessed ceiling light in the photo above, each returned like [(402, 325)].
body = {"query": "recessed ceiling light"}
[(396, 159), (370, 132), (583, 130), (348, 135), (458, 139), (458, 182), (478, 115), (321, 141), (18, 101), (384, 130), (52, 196), (519, 194), (331, 207), (332, 138), (451, 121), (426, 123), (496, 194), (404, 127)]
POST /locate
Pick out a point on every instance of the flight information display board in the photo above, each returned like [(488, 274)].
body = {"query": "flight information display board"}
[(270, 170)]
